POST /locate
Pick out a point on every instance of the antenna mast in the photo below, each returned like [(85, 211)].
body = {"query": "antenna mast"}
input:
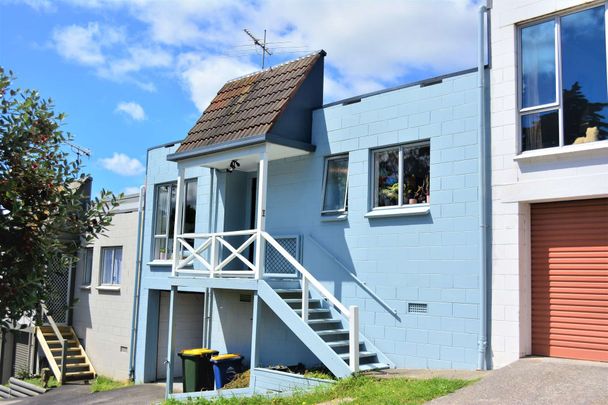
[(79, 150), (265, 50)]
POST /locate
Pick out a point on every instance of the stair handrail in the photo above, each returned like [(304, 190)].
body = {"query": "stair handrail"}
[(351, 313), (57, 332), (360, 282)]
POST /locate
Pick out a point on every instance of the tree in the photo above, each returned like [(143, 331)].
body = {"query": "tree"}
[(41, 200)]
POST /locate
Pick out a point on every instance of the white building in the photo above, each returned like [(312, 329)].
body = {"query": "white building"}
[(103, 291), (549, 179)]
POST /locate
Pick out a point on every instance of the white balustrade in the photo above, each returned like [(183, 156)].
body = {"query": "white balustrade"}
[(212, 243)]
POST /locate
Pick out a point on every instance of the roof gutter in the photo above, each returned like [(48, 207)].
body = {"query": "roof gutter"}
[(483, 192)]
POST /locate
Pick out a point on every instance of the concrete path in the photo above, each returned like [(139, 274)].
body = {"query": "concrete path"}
[(142, 394), (537, 381)]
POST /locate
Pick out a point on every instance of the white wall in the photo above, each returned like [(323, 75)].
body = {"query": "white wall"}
[(188, 329), (102, 318), (578, 171)]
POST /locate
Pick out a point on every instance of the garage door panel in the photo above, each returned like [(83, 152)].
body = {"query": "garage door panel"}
[(569, 261)]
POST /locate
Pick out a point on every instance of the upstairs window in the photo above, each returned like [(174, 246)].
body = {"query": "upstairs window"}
[(111, 265), (164, 217), (401, 175), (87, 266), (335, 185), (563, 80)]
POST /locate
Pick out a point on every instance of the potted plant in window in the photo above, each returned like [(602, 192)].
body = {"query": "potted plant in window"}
[(408, 191), (162, 254), (427, 191)]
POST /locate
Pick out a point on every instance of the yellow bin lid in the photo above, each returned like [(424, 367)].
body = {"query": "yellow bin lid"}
[(198, 352), (225, 357)]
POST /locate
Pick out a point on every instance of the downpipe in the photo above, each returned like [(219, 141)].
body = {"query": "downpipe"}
[(138, 270), (483, 193)]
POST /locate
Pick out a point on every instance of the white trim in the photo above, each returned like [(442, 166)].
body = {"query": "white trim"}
[(406, 210), (334, 218), (160, 263), (105, 287), (562, 151)]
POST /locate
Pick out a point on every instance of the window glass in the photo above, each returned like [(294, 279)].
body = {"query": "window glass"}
[(540, 130), (336, 175), (117, 266), (161, 209), (386, 173), (165, 217), (538, 64), (585, 91), (87, 266), (416, 169), (106, 265)]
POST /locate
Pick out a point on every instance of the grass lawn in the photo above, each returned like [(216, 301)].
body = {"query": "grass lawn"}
[(37, 381), (102, 383), (358, 390)]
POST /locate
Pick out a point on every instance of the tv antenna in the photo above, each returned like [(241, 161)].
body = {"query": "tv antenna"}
[(261, 44), (78, 150)]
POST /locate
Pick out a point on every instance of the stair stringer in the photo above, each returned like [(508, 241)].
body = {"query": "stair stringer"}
[(369, 346), (305, 333)]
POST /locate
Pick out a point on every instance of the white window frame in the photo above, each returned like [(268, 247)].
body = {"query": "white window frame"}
[(344, 209), (558, 104), (87, 269), (113, 270), (374, 178), (169, 226)]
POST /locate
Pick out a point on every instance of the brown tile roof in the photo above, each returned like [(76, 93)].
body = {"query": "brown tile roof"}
[(250, 105)]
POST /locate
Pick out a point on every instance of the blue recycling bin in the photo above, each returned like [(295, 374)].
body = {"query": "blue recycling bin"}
[(225, 368)]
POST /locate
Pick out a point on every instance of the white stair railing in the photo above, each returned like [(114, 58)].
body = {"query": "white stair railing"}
[(211, 245), (351, 313)]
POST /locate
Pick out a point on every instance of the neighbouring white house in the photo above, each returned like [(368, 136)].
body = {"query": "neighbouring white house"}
[(549, 132), (104, 286)]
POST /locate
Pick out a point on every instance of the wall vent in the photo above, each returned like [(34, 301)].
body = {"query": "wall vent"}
[(417, 308), (245, 297)]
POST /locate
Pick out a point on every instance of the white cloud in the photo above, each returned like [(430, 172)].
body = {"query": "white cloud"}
[(122, 164), (131, 190), (203, 77), (132, 109), (84, 44), (370, 45)]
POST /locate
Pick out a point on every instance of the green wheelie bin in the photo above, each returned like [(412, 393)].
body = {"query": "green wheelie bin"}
[(197, 370)]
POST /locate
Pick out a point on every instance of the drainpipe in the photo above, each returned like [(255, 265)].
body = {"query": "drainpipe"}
[(136, 289), (483, 194)]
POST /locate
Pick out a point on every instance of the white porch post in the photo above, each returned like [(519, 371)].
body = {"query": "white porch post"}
[(353, 337), (261, 212), (179, 210), (170, 344)]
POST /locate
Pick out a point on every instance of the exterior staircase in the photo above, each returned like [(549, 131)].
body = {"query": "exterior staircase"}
[(78, 367), (324, 332)]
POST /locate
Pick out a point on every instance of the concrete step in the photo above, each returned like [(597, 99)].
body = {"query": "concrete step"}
[(362, 355), (373, 366)]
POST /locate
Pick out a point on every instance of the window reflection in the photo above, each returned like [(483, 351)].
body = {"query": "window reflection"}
[(538, 64), (585, 91), (540, 130)]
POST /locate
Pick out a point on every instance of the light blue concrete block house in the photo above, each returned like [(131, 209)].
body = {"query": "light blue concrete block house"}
[(344, 235)]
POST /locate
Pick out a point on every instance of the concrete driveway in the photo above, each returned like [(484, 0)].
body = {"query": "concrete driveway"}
[(143, 394), (537, 380)]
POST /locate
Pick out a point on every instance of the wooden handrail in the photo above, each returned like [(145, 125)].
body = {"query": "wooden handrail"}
[(57, 332)]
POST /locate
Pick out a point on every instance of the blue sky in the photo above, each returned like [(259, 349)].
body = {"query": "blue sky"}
[(135, 74)]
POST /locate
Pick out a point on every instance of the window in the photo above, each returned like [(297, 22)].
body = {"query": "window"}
[(335, 185), (563, 80), (165, 217), (87, 265), (401, 175), (111, 264)]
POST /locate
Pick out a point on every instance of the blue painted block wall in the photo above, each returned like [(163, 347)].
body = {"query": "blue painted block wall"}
[(431, 258)]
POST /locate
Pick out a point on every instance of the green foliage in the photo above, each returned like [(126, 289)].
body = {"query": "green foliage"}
[(359, 390), (53, 383), (44, 207), (102, 383)]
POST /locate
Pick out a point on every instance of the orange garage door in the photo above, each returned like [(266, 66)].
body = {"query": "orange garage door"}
[(570, 279)]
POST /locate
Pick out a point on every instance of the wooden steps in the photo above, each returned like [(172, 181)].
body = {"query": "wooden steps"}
[(78, 366)]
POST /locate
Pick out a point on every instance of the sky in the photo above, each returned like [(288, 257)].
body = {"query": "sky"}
[(135, 74)]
